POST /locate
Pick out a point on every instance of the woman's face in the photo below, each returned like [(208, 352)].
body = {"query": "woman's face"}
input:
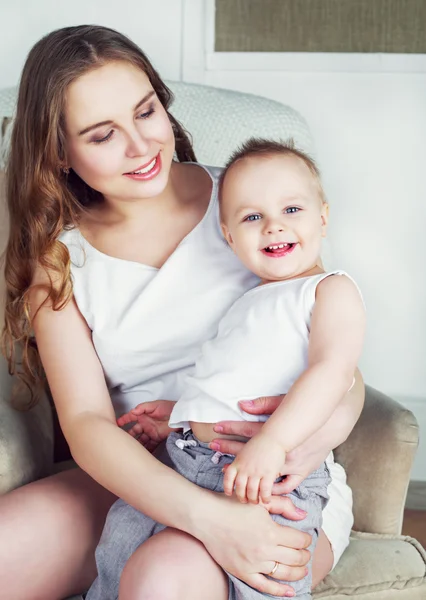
[(119, 137)]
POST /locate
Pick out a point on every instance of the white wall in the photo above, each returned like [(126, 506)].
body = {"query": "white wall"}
[(154, 26)]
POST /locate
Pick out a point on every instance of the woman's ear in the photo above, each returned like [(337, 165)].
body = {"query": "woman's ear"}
[(324, 218)]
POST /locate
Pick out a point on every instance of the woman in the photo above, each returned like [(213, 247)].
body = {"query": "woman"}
[(91, 174)]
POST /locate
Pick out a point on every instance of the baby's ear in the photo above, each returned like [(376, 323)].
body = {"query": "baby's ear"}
[(324, 218), (226, 234)]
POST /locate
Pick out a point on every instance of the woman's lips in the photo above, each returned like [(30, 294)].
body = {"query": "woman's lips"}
[(150, 174)]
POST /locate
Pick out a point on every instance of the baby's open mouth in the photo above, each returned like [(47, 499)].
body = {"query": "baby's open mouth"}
[(279, 248)]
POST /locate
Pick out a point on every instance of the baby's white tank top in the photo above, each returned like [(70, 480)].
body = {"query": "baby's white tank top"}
[(149, 324), (261, 348)]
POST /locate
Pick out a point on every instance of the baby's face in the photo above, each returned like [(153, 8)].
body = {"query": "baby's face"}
[(274, 216)]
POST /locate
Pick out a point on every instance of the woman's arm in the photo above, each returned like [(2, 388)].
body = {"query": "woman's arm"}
[(122, 465)]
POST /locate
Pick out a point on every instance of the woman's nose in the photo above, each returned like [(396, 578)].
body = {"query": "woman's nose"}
[(137, 145)]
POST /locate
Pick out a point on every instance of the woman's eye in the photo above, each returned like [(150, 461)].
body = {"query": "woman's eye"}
[(252, 218), (104, 139), (291, 209), (147, 114)]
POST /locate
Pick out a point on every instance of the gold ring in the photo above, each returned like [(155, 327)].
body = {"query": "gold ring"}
[(274, 569)]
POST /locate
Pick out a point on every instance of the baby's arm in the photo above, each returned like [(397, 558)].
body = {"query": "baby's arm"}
[(335, 343)]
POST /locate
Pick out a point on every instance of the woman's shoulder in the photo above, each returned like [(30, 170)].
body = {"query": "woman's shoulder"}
[(214, 172), (68, 235), (202, 172), (76, 245), (199, 188)]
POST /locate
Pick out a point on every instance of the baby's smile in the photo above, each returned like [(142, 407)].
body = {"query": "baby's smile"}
[(279, 250)]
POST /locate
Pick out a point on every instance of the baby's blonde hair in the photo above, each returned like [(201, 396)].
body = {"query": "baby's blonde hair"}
[(263, 148)]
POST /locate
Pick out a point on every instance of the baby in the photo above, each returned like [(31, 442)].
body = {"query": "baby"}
[(299, 332)]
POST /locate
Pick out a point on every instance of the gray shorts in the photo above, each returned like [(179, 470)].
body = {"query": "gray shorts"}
[(126, 528)]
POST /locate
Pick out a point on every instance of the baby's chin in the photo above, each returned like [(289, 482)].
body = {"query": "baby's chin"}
[(275, 276)]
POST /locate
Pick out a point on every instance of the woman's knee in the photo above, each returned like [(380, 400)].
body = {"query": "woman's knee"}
[(172, 565), (51, 525)]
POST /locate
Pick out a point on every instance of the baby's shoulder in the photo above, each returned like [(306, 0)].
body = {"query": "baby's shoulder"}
[(340, 289)]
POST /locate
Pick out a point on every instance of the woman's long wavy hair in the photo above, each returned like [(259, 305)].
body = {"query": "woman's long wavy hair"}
[(42, 199)]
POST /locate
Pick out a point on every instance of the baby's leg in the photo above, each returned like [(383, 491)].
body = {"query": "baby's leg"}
[(322, 560), (311, 496), (125, 530), (173, 565)]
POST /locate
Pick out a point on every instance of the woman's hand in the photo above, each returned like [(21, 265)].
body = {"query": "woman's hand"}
[(150, 422), (245, 541)]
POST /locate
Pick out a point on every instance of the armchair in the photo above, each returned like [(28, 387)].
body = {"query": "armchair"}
[(379, 563)]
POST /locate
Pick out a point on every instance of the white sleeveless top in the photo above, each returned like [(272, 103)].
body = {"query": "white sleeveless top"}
[(149, 324), (261, 348)]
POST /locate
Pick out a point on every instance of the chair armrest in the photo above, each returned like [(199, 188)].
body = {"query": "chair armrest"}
[(377, 457), (26, 438)]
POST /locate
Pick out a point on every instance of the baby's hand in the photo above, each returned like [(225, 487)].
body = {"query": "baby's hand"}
[(254, 470), (150, 422)]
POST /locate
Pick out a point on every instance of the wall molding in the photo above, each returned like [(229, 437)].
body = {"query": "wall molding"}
[(315, 62), (200, 58)]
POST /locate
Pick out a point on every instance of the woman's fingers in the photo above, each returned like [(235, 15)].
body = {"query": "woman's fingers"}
[(287, 485), (269, 586), (282, 505), (286, 572), (293, 538), (242, 428), (261, 406), (226, 446), (292, 557)]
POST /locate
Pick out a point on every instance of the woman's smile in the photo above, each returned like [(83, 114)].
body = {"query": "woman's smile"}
[(147, 171)]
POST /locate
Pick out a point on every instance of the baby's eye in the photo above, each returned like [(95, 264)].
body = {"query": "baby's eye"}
[(252, 218), (291, 209)]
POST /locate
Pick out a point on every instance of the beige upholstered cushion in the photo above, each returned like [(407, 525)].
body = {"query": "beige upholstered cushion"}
[(367, 570), (26, 438), (378, 508), (3, 240)]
